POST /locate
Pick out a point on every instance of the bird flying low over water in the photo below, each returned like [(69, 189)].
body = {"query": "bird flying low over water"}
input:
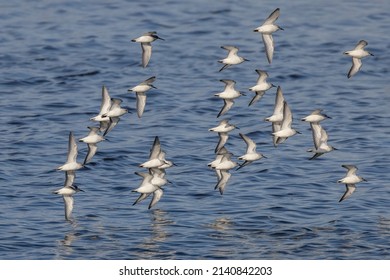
[(222, 129), (261, 86), (320, 139), (228, 95), (67, 193), (357, 54), (71, 163), (286, 130), (350, 180), (146, 40), (316, 116), (91, 140), (266, 30), (251, 154), (232, 57), (140, 91)]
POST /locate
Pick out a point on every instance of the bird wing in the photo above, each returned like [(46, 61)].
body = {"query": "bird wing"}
[(72, 148), (141, 197), (356, 65), (106, 101), (262, 76), (92, 148), (279, 102), (351, 169), (224, 178), (113, 122), (269, 46), (223, 137), (149, 81), (251, 145), (316, 133), (257, 97), (68, 201), (141, 102), (350, 188), (146, 53), (361, 44), (287, 116), (272, 17), (69, 177), (228, 103), (157, 194)]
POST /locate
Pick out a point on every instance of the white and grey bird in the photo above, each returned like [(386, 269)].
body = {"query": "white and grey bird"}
[(350, 180), (266, 29), (67, 193), (226, 163), (223, 128), (251, 154), (146, 185), (104, 107), (357, 54), (261, 86), (316, 116), (156, 157), (147, 188), (140, 91), (71, 163), (218, 158), (232, 57), (320, 139), (277, 117), (114, 114), (91, 140), (146, 40), (228, 95), (286, 129)]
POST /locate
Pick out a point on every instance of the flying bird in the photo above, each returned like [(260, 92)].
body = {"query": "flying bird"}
[(146, 40), (266, 30), (357, 54)]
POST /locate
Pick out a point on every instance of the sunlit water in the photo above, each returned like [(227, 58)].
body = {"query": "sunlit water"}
[(54, 59)]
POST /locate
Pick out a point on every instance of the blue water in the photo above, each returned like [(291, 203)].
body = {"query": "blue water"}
[(54, 59)]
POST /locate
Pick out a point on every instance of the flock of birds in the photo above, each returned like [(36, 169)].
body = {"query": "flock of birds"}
[(281, 120)]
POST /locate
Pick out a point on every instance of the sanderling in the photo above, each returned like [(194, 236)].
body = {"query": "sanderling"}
[(232, 57), (156, 157), (114, 113), (140, 91), (316, 116), (71, 163), (67, 193), (357, 54), (261, 86), (146, 188), (146, 185), (320, 139), (286, 130), (226, 162), (228, 95), (223, 128), (266, 30), (91, 140), (350, 180), (251, 154), (104, 107), (146, 40)]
